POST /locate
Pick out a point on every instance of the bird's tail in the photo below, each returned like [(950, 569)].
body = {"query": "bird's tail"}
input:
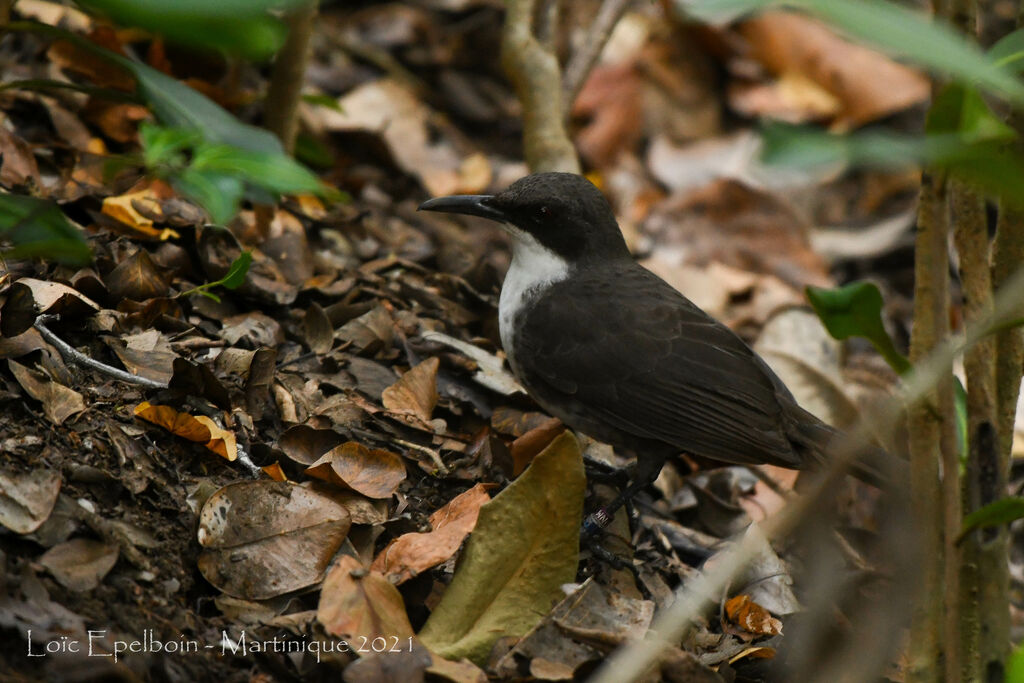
[(821, 445)]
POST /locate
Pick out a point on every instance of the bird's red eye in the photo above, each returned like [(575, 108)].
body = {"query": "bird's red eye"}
[(544, 212)]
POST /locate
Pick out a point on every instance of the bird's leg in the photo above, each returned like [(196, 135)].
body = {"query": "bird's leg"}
[(646, 472), (602, 472)]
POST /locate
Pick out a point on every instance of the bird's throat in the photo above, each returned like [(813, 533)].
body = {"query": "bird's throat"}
[(533, 270)]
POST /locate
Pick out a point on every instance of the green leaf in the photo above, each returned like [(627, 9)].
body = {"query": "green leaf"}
[(960, 109), (1002, 511), (236, 273), (901, 32), (1015, 666), (39, 229), (1009, 51), (855, 310), (243, 27), (989, 164), (175, 104), (219, 194), (960, 410), (524, 547), (165, 146), (275, 172)]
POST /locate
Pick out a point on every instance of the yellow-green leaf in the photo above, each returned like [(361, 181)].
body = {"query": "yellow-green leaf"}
[(524, 547)]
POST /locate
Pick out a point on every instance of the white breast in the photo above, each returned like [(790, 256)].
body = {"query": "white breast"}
[(534, 268)]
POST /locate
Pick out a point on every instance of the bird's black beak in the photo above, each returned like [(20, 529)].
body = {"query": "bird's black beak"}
[(468, 204)]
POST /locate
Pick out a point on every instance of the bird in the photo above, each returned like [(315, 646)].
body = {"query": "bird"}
[(618, 354)]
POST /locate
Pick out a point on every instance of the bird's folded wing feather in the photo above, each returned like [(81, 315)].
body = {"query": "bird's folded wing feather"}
[(665, 371)]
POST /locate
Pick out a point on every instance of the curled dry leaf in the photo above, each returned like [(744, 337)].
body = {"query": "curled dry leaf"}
[(751, 617), (136, 277), (317, 329), (525, 448), (305, 444), (59, 402), (415, 393), (27, 498), (125, 208), (200, 429), (146, 354), (29, 297), (265, 538), (410, 554), (80, 564), (357, 603), (374, 473)]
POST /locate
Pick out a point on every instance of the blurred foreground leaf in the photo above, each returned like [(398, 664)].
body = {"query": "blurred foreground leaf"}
[(897, 30), (524, 547), (39, 229), (1002, 511), (988, 162), (855, 310), (242, 27)]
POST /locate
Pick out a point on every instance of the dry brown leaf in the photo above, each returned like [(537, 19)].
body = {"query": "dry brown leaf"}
[(869, 84), (374, 473), (29, 297), (17, 163), (751, 617), (222, 441), (275, 472), (80, 564), (305, 444), (412, 553), (136, 277), (391, 110), (200, 429), (525, 448), (27, 498), (265, 538), (357, 603), (146, 354), (415, 393), (125, 208), (59, 402)]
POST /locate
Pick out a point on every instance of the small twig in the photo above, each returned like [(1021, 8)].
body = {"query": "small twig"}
[(769, 481), (434, 457), (245, 461), (72, 355), (580, 64), (111, 534)]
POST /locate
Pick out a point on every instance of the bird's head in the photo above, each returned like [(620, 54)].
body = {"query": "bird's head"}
[(563, 212)]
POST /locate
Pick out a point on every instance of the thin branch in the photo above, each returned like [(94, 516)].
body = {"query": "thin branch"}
[(535, 74), (927, 428), (72, 355), (983, 556), (581, 63), (280, 113)]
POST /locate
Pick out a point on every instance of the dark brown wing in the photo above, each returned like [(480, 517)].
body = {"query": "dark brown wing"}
[(666, 370)]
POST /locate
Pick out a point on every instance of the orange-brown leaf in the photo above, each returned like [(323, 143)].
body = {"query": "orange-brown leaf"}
[(374, 473), (412, 553), (356, 602)]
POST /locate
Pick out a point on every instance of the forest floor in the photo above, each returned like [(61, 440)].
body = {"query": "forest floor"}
[(352, 390)]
